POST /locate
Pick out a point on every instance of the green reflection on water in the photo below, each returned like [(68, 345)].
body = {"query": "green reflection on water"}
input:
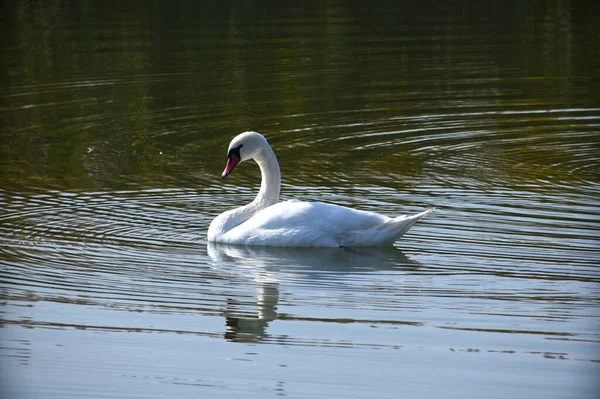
[(110, 96)]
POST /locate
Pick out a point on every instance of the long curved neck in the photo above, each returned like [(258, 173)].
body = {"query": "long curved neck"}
[(271, 179), (267, 196)]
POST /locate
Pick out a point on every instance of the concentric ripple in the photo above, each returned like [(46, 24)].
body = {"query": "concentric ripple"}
[(114, 127)]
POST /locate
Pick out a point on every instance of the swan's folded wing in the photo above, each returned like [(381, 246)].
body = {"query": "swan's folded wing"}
[(298, 223)]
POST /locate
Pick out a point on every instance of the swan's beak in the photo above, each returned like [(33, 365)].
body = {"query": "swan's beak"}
[(232, 160)]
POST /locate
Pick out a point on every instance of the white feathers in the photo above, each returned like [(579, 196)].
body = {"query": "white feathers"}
[(297, 223)]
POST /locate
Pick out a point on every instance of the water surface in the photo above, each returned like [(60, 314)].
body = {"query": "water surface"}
[(115, 121)]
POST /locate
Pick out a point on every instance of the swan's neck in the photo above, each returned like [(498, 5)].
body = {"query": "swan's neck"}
[(267, 196), (271, 180)]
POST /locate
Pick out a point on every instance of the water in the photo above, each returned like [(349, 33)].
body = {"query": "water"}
[(115, 123)]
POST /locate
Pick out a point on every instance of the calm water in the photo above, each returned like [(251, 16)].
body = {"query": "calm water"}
[(115, 120)]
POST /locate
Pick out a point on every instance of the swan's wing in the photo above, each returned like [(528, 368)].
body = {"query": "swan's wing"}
[(316, 215), (298, 223)]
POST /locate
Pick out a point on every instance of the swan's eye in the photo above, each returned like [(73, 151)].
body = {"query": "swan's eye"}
[(235, 151)]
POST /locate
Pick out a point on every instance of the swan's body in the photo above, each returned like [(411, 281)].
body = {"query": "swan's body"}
[(267, 222)]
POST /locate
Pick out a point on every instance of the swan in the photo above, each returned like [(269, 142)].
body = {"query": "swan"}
[(293, 223)]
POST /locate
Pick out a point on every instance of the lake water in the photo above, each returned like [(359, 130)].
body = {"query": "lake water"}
[(115, 120)]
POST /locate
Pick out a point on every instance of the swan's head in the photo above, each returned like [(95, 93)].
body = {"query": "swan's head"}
[(244, 146)]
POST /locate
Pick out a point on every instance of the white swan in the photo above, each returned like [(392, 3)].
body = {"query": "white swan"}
[(293, 223)]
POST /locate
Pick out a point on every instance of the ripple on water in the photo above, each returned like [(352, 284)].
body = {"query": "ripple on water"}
[(509, 202), (87, 242)]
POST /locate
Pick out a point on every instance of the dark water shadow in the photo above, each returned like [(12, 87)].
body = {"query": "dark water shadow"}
[(272, 266)]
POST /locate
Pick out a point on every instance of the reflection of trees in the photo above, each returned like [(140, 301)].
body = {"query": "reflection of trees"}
[(111, 81), (301, 55)]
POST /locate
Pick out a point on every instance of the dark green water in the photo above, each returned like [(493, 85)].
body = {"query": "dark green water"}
[(115, 120)]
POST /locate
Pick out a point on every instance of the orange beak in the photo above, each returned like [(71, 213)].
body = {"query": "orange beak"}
[(231, 162)]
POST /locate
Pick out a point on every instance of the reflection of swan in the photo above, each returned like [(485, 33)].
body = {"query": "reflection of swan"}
[(269, 266), (275, 263), (264, 221), (246, 328), (241, 326)]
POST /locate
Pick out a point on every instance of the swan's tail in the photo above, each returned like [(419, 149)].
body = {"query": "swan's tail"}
[(398, 226), (385, 233)]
